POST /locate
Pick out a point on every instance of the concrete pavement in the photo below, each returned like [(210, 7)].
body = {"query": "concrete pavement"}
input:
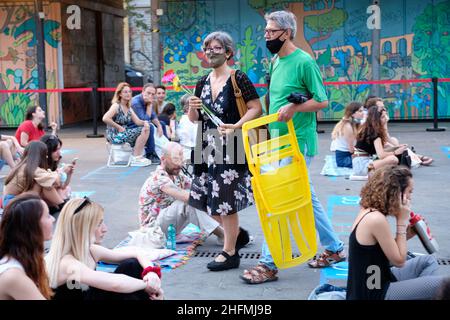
[(117, 190)]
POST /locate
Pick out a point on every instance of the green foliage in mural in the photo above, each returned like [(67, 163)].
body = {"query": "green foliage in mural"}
[(326, 24), (431, 42), (246, 49), (431, 57), (12, 111)]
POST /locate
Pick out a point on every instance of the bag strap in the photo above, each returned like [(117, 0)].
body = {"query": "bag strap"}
[(242, 106)]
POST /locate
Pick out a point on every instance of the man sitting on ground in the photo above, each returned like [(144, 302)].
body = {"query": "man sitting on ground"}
[(165, 194)]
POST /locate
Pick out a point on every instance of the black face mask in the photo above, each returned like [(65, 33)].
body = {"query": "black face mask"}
[(275, 45)]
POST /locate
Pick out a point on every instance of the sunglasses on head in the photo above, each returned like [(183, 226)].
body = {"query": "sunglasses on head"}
[(83, 204)]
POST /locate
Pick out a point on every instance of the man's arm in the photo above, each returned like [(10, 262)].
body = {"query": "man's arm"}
[(139, 109), (287, 112), (176, 192), (156, 122)]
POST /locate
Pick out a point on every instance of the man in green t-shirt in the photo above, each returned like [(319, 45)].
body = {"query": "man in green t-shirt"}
[(294, 71)]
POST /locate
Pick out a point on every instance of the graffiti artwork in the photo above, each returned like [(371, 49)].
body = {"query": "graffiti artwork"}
[(336, 33), (18, 61)]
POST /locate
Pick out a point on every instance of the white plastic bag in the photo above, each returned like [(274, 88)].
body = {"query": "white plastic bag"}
[(149, 236), (160, 142)]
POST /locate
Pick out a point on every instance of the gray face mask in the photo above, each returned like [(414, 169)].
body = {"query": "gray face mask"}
[(216, 59)]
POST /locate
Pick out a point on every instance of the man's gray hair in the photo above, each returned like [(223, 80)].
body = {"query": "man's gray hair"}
[(284, 19), (223, 38), (184, 101)]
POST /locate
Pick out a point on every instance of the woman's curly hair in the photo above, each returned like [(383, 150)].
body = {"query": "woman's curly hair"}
[(385, 188)]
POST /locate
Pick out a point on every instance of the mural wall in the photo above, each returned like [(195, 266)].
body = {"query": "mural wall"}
[(415, 44), (18, 60)]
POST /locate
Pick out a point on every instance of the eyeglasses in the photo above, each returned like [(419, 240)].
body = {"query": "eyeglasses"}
[(213, 49), (85, 202), (271, 32)]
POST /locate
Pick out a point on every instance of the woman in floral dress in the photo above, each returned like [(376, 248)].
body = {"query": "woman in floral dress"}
[(221, 186), (121, 121)]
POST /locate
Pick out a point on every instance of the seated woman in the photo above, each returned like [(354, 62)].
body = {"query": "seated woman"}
[(25, 225), (32, 128), (370, 142), (31, 174), (119, 119), (392, 142), (168, 118), (344, 134), (76, 250), (373, 248), (10, 151), (65, 171)]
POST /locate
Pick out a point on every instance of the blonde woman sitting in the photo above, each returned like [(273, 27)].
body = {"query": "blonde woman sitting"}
[(75, 251), (344, 134)]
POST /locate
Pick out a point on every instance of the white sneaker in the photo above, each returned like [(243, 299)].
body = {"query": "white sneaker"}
[(139, 161)]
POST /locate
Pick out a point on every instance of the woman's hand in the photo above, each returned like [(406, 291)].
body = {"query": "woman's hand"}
[(410, 232), (54, 126), (68, 168), (227, 128), (195, 102), (121, 129), (405, 210), (157, 295), (400, 149), (153, 283)]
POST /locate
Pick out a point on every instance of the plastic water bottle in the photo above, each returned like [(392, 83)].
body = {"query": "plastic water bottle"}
[(424, 233), (171, 237)]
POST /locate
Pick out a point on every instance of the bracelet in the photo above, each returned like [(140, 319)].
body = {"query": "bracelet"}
[(401, 233), (401, 225), (156, 270)]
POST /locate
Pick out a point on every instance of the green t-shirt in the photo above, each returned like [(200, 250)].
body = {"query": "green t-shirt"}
[(297, 72)]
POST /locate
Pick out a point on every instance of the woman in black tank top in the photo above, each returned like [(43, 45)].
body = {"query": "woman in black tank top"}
[(372, 248)]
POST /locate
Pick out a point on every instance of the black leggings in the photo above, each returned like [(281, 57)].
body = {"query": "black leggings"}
[(129, 267)]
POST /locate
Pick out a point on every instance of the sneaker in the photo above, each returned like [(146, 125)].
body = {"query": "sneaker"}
[(327, 258), (139, 161), (154, 159)]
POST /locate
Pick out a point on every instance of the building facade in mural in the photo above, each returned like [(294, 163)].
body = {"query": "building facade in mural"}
[(414, 44)]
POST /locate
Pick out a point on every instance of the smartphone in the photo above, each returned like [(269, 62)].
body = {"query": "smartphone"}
[(74, 161)]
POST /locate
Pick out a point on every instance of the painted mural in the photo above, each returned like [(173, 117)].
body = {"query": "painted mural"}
[(18, 61), (414, 45)]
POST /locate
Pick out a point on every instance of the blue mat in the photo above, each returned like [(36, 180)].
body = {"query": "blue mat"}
[(331, 169)]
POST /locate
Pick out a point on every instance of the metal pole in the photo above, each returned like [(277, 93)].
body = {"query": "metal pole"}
[(95, 103), (435, 106), (375, 54), (39, 18)]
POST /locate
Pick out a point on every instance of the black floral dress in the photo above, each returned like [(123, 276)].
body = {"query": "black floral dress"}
[(221, 185)]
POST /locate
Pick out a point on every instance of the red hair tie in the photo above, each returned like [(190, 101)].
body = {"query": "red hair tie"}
[(156, 270)]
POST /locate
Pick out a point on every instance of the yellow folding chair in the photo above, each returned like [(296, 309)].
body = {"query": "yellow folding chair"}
[(282, 194)]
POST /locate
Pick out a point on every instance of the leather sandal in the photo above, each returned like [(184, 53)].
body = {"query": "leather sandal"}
[(231, 262), (259, 274)]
